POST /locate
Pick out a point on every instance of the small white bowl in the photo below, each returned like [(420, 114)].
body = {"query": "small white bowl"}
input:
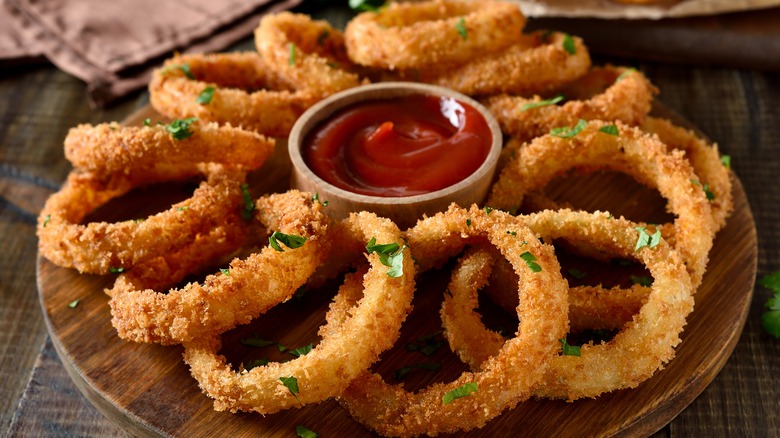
[(406, 210)]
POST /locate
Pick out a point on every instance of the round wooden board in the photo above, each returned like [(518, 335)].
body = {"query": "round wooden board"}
[(147, 389)]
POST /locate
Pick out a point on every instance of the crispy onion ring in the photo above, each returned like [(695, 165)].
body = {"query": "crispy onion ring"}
[(151, 151), (247, 92), (507, 378), (632, 152), (371, 327), (306, 52), (634, 354), (535, 64), (100, 247), (419, 35), (628, 99), (221, 302)]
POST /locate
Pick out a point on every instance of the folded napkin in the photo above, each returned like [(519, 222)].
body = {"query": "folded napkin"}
[(114, 45)]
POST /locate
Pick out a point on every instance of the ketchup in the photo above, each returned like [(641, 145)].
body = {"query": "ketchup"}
[(399, 147)]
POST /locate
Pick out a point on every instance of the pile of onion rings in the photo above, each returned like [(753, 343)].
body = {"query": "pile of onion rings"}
[(559, 114)]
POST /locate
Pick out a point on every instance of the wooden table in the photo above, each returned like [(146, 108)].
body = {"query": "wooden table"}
[(737, 108)]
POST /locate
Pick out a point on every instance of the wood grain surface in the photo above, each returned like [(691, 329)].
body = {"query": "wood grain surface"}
[(148, 391)]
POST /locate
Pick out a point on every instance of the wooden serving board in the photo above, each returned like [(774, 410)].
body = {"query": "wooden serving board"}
[(147, 389)]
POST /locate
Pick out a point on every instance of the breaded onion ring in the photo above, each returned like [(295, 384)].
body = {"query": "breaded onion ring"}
[(345, 351), (536, 64), (138, 152), (221, 302), (419, 35), (246, 92), (634, 354), (308, 53), (628, 99), (102, 247), (631, 151), (507, 378)]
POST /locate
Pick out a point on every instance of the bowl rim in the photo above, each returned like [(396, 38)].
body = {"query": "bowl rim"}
[(378, 91)]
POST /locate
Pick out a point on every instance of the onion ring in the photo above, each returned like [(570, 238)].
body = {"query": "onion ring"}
[(418, 35), (619, 363), (632, 152), (306, 52), (246, 92), (371, 327), (507, 378), (102, 247), (254, 284), (628, 97)]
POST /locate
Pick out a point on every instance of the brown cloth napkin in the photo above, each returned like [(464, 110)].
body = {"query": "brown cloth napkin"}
[(114, 45)]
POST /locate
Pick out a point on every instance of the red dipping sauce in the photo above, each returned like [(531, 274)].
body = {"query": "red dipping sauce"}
[(399, 147)]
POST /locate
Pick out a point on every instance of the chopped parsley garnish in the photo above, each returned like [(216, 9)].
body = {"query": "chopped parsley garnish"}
[(224, 271), (569, 131), (183, 208), (249, 203), (322, 37), (468, 222), (568, 45), (116, 269), (46, 220), (461, 391), (73, 304), (461, 27), (292, 53), (316, 198), (402, 372), (569, 350), (642, 280), (771, 318), (256, 363), (487, 210), (512, 233), (426, 345), (185, 68), (530, 260), (627, 72), (292, 385), (281, 348), (289, 240), (256, 342), (304, 432), (609, 129), (576, 273), (147, 122), (390, 255), (302, 351), (180, 129), (366, 5), (553, 101), (726, 160), (205, 96), (647, 240), (706, 187)]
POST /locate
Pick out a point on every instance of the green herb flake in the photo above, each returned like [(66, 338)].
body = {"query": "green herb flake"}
[(224, 271), (625, 73), (576, 273), (322, 37), (116, 269), (289, 240), (568, 45), (569, 350), (547, 102), (184, 68), (366, 5), (461, 391), (426, 345), (771, 318), (609, 129), (292, 54), (530, 260), (249, 204), (183, 208), (180, 129), (487, 210), (147, 122), (706, 187), (468, 222), (569, 131), (642, 280), (512, 233), (256, 363), (73, 304), (292, 385), (46, 220), (390, 255), (647, 240), (304, 432), (726, 161), (302, 351), (461, 27), (205, 96), (402, 372), (316, 198), (281, 348), (256, 342)]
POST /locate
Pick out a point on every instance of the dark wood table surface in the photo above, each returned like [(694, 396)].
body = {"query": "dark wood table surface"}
[(738, 108)]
